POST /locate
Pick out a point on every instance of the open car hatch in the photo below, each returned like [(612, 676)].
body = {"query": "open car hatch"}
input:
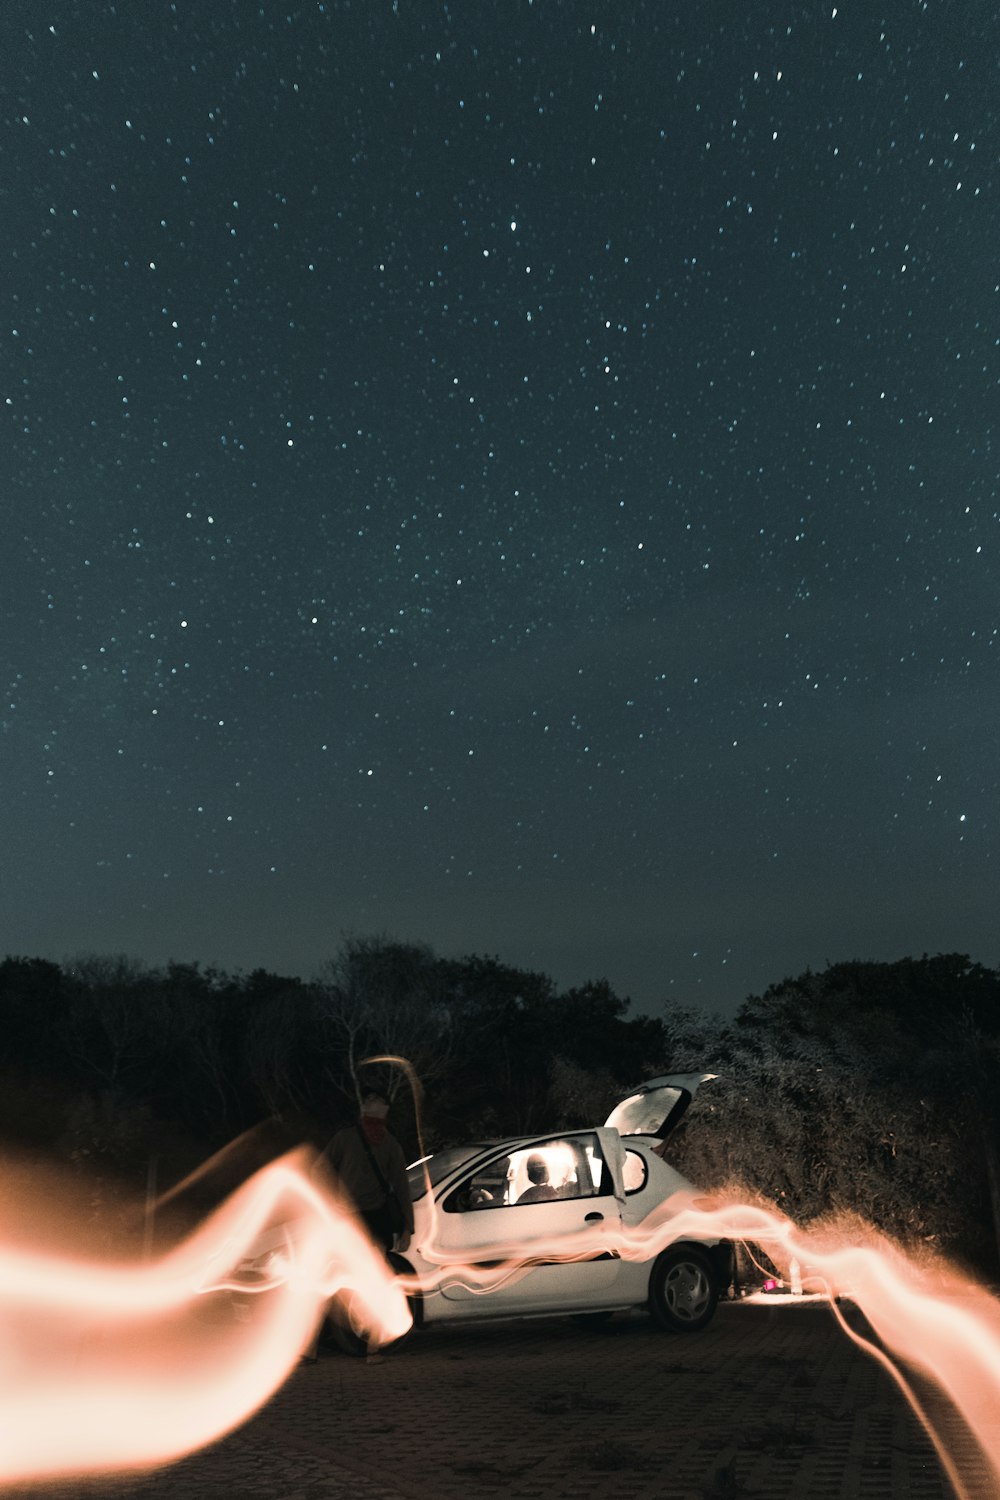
[(657, 1106)]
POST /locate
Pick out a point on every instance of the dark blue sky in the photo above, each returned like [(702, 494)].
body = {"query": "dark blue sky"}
[(518, 476)]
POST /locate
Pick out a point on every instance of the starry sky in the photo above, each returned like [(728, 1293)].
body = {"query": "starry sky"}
[(516, 475)]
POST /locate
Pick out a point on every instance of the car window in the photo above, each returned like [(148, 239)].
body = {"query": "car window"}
[(438, 1167), (564, 1167), (635, 1172)]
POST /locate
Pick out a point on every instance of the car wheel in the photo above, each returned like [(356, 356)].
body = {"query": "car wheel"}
[(683, 1289), (414, 1302)]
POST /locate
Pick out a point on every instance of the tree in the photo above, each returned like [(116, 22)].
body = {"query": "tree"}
[(203, 1085), (379, 997), (35, 999), (527, 1057), (592, 1030), (115, 1029), (280, 1025), (896, 1074)]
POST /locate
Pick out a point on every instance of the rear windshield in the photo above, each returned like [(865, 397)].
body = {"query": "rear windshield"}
[(644, 1113), (438, 1167)]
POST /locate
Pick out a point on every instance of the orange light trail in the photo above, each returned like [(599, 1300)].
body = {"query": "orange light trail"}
[(929, 1317), (123, 1352)]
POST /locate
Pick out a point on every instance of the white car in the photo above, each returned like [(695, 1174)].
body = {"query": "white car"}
[(579, 1222), (575, 1222)]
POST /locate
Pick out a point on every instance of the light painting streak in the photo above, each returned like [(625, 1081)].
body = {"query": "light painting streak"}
[(138, 1378), (930, 1317), (113, 1367)]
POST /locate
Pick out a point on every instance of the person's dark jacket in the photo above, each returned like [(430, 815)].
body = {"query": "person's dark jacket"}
[(350, 1162)]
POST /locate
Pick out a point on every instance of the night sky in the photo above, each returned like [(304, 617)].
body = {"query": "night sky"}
[(515, 476)]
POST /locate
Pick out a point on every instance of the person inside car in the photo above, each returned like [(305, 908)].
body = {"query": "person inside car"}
[(541, 1189)]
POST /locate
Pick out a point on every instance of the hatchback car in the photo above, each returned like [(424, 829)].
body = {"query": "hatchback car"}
[(579, 1222), (574, 1221)]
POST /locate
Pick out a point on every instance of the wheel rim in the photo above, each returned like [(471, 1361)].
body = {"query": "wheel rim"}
[(686, 1291)]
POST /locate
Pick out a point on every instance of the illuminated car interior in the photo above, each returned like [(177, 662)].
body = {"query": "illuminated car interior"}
[(547, 1171)]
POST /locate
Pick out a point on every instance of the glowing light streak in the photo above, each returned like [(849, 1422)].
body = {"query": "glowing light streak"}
[(113, 1367), (929, 1317), (110, 1367)]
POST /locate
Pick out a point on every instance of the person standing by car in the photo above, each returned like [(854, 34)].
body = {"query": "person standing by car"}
[(369, 1164)]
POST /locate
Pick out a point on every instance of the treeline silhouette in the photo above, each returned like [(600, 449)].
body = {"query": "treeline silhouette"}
[(871, 1088)]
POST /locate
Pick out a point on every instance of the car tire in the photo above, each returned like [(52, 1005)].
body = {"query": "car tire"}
[(683, 1289), (414, 1301)]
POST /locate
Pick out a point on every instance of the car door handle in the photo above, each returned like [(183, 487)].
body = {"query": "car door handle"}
[(593, 1218)]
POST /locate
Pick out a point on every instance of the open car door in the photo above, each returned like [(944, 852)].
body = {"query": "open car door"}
[(525, 1247)]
